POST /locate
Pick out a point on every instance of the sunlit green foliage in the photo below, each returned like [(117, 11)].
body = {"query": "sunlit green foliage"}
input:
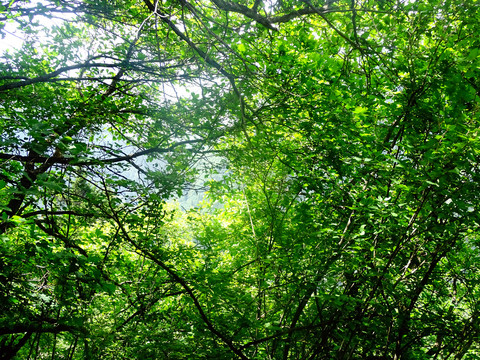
[(335, 145)]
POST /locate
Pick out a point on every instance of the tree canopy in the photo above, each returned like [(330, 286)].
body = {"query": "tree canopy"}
[(335, 144)]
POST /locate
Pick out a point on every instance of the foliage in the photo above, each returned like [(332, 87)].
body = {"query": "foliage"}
[(339, 144)]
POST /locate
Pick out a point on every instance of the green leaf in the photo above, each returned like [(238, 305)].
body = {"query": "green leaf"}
[(473, 54)]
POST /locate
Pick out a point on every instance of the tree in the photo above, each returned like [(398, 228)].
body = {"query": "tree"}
[(368, 144), (86, 140), (345, 223)]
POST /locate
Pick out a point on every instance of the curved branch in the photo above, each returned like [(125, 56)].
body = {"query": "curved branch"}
[(56, 160), (310, 10), (209, 60), (54, 231), (49, 76), (245, 11), (183, 283)]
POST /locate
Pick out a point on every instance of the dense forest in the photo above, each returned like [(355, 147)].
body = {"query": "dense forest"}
[(334, 146)]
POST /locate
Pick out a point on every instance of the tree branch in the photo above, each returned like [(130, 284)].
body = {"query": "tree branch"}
[(37, 328), (316, 10), (183, 283), (210, 61), (246, 11), (49, 76), (55, 160), (48, 212), (53, 231)]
